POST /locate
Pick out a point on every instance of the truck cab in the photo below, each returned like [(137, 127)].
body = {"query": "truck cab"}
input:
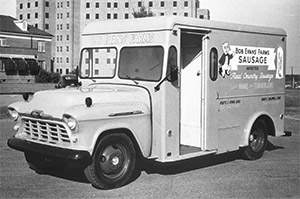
[(161, 88)]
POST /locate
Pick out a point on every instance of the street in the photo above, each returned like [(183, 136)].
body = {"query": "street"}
[(276, 175)]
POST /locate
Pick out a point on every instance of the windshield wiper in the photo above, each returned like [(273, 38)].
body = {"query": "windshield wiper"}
[(130, 78)]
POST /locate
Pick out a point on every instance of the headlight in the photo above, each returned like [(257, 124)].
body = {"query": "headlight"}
[(13, 113), (70, 121)]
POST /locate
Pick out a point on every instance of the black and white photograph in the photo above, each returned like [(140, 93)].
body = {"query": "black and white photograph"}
[(149, 99)]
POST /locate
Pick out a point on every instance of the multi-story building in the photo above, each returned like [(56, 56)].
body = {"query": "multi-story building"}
[(66, 19), (24, 49)]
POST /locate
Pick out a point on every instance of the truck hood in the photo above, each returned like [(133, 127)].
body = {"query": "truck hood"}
[(55, 102)]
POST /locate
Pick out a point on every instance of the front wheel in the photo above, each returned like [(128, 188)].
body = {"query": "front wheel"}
[(113, 163), (258, 139)]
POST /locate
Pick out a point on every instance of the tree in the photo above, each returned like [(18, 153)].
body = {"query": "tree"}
[(142, 12)]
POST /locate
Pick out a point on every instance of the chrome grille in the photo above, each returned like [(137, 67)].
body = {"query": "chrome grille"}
[(49, 132)]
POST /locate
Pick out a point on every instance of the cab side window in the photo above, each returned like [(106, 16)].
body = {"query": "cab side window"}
[(172, 68)]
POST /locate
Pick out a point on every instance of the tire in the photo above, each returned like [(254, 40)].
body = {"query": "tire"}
[(258, 139), (114, 160)]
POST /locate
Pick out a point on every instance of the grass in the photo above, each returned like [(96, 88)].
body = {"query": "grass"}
[(292, 105)]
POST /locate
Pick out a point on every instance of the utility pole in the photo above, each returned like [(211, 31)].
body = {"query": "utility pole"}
[(293, 79)]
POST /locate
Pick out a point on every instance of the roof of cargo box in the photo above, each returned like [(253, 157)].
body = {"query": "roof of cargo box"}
[(168, 22)]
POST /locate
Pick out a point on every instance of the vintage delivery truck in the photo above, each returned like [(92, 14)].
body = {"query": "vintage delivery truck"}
[(161, 88)]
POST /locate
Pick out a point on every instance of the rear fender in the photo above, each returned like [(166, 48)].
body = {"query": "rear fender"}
[(247, 129)]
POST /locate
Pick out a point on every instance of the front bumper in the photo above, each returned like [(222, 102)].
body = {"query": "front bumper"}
[(78, 156)]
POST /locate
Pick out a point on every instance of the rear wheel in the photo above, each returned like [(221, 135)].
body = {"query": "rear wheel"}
[(258, 139), (113, 163)]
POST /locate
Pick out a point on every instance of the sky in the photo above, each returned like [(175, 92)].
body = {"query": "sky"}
[(271, 13)]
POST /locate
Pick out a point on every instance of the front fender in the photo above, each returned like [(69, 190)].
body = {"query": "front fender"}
[(107, 110), (100, 118)]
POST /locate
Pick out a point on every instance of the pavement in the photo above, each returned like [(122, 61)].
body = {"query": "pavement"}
[(276, 175)]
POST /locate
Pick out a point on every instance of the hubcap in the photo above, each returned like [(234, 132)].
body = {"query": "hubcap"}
[(113, 161), (256, 140)]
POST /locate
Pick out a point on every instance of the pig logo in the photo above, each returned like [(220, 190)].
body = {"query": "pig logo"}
[(224, 61)]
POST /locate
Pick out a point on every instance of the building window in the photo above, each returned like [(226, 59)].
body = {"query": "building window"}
[(3, 42), (150, 4), (174, 3), (28, 16), (47, 26), (108, 5), (186, 14), (96, 16), (68, 15), (162, 4), (67, 48), (61, 4), (96, 60), (68, 26), (41, 46), (201, 16), (67, 61), (186, 4), (57, 16), (115, 16), (87, 16), (108, 61), (126, 16), (36, 25), (47, 15), (61, 15), (126, 4), (47, 4), (162, 14), (36, 4), (87, 5), (68, 37), (68, 4), (139, 4), (21, 16), (61, 48), (61, 26), (174, 13), (108, 16), (36, 15), (115, 4), (28, 5), (97, 5), (61, 37), (21, 5)]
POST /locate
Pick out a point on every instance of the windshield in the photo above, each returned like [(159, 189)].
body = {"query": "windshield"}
[(98, 62), (141, 63)]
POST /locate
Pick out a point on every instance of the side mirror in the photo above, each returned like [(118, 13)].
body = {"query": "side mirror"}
[(173, 76)]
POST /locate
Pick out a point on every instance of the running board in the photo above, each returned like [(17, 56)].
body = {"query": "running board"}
[(191, 155)]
